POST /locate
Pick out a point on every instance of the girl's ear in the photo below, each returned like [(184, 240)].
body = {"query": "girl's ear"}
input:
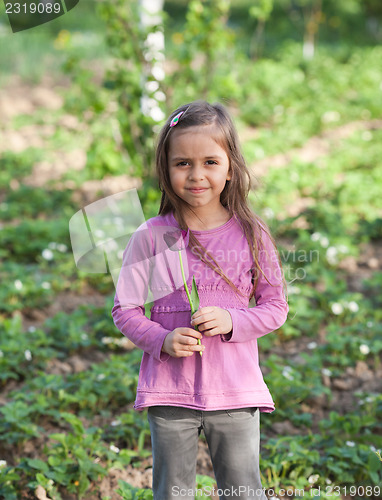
[(229, 175)]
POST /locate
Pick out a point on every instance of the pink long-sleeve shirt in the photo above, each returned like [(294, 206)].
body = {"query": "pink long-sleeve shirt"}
[(228, 374)]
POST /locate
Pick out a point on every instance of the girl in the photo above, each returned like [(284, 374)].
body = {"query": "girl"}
[(204, 183)]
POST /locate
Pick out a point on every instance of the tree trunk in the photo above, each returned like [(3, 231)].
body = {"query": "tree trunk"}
[(311, 29), (153, 72)]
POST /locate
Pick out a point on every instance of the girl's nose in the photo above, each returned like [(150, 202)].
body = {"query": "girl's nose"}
[(196, 173)]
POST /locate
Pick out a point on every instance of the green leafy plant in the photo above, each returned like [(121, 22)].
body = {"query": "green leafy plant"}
[(22, 354), (128, 492), (14, 166), (73, 461), (9, 478), (178, 242), (130, 430)]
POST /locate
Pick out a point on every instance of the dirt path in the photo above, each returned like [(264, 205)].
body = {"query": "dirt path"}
[(316, 147)]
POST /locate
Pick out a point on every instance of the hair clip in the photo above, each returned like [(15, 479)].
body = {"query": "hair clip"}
[(175, 120)]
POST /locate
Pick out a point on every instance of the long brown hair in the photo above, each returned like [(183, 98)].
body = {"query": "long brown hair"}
[(234, 196)]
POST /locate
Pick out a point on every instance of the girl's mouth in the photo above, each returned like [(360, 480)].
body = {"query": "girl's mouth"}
[(197, 190)]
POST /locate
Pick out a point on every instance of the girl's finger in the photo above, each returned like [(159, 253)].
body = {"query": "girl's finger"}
[(197, 347), (190, 352), (211, 332), (207, 325), (189, 341), (183, 354), (207, 316), (192, 333), (199, 320)]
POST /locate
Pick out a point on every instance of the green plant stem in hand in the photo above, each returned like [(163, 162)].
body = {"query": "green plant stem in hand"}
[(193, 306)]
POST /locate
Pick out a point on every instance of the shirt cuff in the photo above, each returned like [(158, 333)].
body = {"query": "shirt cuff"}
[(158, 354), (226, 337)]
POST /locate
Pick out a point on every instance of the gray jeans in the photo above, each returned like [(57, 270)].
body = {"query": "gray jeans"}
[(233, 440)]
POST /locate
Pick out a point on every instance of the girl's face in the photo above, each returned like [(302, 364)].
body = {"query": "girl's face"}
[(198, 168)]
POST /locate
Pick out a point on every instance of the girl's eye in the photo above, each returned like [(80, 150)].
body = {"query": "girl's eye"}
[(185, 163)]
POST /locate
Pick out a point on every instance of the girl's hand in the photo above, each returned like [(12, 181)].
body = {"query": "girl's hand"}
[(182, 342), (212, 321)]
